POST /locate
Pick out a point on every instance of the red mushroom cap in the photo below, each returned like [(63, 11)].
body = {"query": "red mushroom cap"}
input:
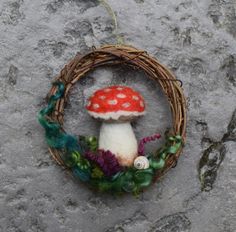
[(114, 102)]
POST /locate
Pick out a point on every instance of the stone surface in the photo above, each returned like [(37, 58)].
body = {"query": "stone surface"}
[(196, 39)]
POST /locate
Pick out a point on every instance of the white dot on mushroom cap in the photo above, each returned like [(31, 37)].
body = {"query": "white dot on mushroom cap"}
[(136, 98), (141, 104), (107, 90), (126, 104), (102, 97), (112, 102), (121, 95), (119, 88), (95, 106)]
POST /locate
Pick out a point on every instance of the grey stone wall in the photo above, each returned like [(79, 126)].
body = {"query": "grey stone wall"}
[(196, 39)]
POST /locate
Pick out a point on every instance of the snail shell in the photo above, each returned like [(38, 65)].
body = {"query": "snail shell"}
[(141, 162)]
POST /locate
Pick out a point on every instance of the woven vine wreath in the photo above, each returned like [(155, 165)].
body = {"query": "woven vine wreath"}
[(114, 167)]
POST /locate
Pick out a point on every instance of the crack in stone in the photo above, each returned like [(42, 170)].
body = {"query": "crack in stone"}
[(229, 65), (12, 75), (209, 164), (138, 217), (201, 125), (177, 222), (214, 155), (230, 135)]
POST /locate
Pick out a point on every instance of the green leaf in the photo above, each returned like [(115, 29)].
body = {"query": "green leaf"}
[(143, 180), (178, 138), (173, 149), (129, 186), (92, 142), (163, 155), (73, 159), (171, 138), (157, 164)]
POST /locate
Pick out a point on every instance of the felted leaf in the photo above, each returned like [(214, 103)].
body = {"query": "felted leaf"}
[(92, 142), (173, 149), (157, 164), (129, 186), (143, 179), (72, 160)]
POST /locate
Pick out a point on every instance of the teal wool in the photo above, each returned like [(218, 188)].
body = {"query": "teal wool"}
[(55, 137)]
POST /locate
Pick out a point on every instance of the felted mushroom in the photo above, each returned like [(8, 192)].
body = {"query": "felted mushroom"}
[(117, 106)]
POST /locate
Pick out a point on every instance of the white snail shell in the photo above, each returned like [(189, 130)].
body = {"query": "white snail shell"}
[(141, 162)]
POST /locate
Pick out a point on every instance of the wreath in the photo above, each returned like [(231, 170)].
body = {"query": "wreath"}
[(103, 165)]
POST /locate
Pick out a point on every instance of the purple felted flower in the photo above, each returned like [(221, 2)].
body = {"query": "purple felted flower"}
[(106, 161), (146, 140)]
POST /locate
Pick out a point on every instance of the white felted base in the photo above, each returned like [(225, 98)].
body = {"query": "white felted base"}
[(119, 138)]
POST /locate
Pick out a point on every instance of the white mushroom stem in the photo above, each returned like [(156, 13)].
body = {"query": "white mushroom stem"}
[(119, 138)]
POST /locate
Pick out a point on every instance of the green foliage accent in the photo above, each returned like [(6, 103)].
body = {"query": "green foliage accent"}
[(89, 143), (131, 180), (92, 142), (97, 173), (157, 164), (72, 160), (81, 166), (76, 159), (171, 147)]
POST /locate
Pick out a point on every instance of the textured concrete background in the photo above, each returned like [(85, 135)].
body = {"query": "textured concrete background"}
[(196, 39)]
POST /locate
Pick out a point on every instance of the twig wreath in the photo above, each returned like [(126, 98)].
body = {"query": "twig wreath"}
[(102, 165)]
